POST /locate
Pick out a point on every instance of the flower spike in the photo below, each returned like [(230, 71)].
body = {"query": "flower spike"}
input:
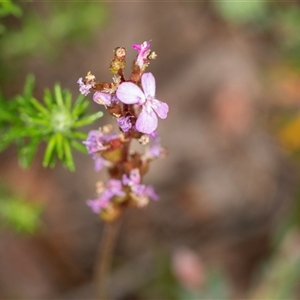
[(135, 108)]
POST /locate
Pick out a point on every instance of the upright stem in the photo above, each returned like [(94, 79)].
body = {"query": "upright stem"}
[(104, 259), (107, 245)]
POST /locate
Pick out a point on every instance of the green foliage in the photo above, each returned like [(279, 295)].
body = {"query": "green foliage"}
[(47, 34), (7, 7), (163, 285), (241, 11), (166, 285), (288, 22), (281, 272), (27, 122), (17, 213)]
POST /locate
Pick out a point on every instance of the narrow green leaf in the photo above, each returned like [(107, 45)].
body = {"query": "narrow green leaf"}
[(59, 145), (78, 110), (27, 152), (6, 115), (20, 101), (88, 120), (34, 121), (68, 156), (4, 142), (39, 107), (48, 157), (68, 100), (48, 98), (29, 86), (12, 134), (58, 95), (79, 135), (78, 146), (79, 100)]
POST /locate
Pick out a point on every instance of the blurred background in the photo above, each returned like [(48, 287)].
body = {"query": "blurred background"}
[(227, 224)]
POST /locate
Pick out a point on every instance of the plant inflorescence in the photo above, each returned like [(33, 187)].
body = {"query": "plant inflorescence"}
[(133, 105)]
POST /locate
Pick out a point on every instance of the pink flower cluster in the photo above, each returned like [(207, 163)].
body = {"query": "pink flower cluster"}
[(139, 94), (136, 109), (138, 193)]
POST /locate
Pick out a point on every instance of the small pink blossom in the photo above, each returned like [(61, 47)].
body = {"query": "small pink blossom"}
[(113, 188), (143, 52), (99, 164), (188, 268), (140, 190), (130, 93), (105, 99), (84, 88), (124, 123), (134, 178), (102, 98)]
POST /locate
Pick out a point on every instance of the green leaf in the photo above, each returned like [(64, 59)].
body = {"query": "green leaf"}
[(34, 121), (88, 120), (48, 157), (58, 95), (79, 135), (68, 156), (48, 98), (79, 100), (4, 143), (79, 109), (78, 146), (39, 107), (68, 100), (27, 152), (29, 86), (6, 115), (59, 145)]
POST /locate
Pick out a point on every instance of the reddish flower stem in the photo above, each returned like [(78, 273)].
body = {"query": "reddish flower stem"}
[(105, 257), (107, 246)]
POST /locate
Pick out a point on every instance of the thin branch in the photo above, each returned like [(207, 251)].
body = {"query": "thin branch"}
[(104, 259)]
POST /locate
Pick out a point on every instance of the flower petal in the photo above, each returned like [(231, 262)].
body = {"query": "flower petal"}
[(148, 84), (161, 108), (130, 93), (124, 123), (102, 98), (146, 121)]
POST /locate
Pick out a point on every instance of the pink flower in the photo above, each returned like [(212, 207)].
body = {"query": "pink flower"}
[(124, 123), (130, 93), (113, 188), (188, 268), (140, 190), (144, 51), (84, 88), (102, 98), (105, 99)]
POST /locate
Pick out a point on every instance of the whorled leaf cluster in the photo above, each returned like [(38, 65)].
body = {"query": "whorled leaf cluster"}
[(27, 122)]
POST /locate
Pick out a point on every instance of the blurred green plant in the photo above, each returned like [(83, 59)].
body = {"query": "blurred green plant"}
[(166, 285), (276, 21), (241, 12), (7, 7), (287, 22), (26, 122), (46, 34), (17, 213), (280, 279)]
